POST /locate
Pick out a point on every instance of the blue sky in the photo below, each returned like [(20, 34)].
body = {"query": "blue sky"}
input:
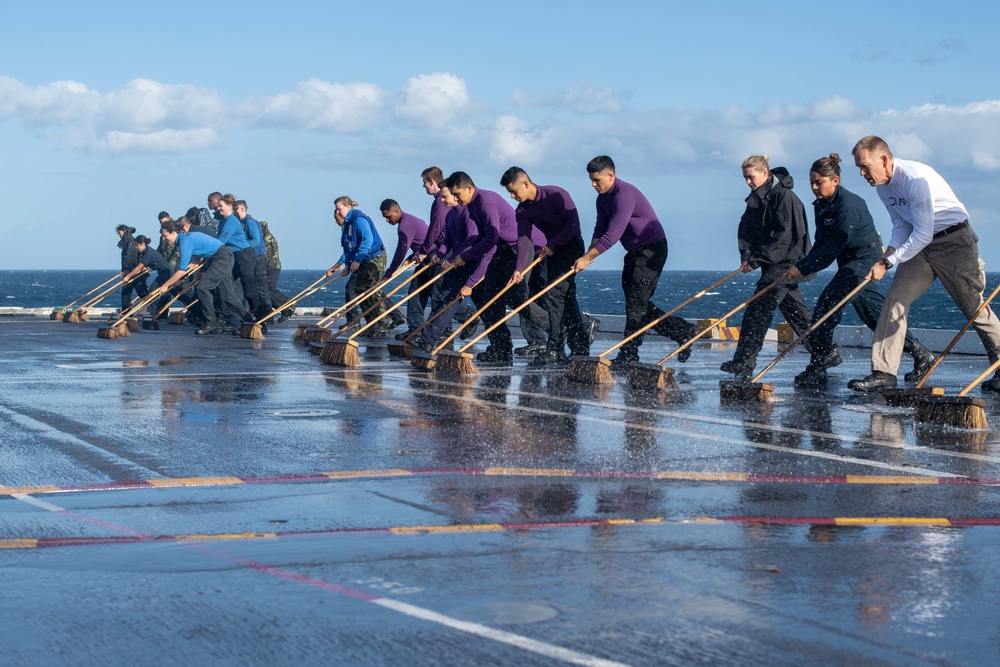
[(111, 112)]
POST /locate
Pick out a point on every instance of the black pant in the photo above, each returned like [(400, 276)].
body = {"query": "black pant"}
[(758, 315), (278, 297), (450, 285), (245, 270), (219, 274), (565, 320), (260, 283), (140, 287), (498, 274), (867, 303), (640, 274)]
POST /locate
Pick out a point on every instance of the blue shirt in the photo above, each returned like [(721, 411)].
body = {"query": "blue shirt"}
[(360, 238), (231, 233), (195, 244), (255, 237)]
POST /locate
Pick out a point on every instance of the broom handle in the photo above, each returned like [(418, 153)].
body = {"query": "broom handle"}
[(177, 296), (399, 303), (361, 297), (114, 277), (486, 305), (309, 291), (995, 365), (840, 304), (665, 315), (527, 302), (99, 297), (435, 315), (954, 341), (146, 300), (732, 312), (385, 297), (185, 308)]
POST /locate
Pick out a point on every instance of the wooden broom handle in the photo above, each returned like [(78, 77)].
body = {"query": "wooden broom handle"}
[(99, 297), (664, 316), (995, 365), (840, 304), (399, 303), (112, 278), (954, 341), (527, 302), (385, 297), (732, 312), (486, 305), (437, 314), (361, 297), (177, 296), (185, 308), (146, 300), (309, 291)]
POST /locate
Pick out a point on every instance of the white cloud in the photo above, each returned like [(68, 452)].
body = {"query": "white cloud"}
[(434, 100), (580, 97), (321, 106), (515, 142)]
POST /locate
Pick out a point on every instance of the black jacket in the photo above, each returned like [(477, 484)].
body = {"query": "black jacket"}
[(844, 231), (130, 254), (773, 229), (153, 260)]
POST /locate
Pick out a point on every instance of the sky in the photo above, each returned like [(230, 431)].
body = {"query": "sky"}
[(111, 112)]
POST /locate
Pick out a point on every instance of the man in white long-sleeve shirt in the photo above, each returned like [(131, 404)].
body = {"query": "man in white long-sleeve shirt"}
[(931, 238)]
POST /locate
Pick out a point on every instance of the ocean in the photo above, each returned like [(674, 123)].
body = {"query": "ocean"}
[(597, 292)]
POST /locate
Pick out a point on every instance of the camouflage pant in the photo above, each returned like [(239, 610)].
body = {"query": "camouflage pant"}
[(366, 277)]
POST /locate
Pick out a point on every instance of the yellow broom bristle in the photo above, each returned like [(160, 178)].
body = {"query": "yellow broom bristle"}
[(743, 391), (589, 370), (459, 363), (341, 353), (252, 331), (908, 397), (299, 332), (651, 376), (122, 330), (954, 411)]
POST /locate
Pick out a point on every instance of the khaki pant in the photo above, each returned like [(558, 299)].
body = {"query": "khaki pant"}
[(954, 259)]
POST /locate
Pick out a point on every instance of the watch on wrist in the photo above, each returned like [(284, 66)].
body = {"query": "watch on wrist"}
[(886, 263)]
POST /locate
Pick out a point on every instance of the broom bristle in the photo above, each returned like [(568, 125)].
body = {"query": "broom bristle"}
[(341, 353), (908, 397), (122, 330), (744, 391), (251, 330), (956, 411), (71, 317), (459, 363), (132, 324), (83, 316), (423, 360), (590, 370), (315, 348), (299, 332), (107, 333), (55, 315), (396, 349), (651, 376)]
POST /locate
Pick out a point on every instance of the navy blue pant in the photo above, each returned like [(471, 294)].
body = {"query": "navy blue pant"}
[(758, 315)]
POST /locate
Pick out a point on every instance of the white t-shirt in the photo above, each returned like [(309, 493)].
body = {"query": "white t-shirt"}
[(920, 204)]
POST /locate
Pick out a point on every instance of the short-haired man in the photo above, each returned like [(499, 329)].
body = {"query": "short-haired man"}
[(624, 214), (931, 238), (551, 210), (410, 232), (255, 237)]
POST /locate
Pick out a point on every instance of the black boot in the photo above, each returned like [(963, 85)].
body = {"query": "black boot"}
[(877, 380), (923, 359)]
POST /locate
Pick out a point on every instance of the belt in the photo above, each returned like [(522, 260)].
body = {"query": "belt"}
[(951, 230)]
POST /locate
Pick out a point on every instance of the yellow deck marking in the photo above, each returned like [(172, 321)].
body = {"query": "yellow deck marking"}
[(194, 481), (892, 520), (224, 536), (889, 479), (29, 490), (547, 472), (704, 476), (352, 474), (18, 543)]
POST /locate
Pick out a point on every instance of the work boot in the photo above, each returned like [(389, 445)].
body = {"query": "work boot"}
[(877, 380), (209, 329), (737, 368), (622, 362), (418, 342), (819, 364), (811, 378), (529, 350), (548, 358), (500, 356), (685, 354), (397, 320), (469, 330), (591, 328), (923, 359), (993, 384)]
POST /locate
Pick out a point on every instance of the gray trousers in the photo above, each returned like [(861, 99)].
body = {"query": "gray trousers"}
[(954, 260)]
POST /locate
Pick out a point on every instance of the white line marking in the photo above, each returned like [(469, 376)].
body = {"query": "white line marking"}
[(23, 497)]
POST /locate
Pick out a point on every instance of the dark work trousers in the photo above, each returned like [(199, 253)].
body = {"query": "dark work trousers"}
[(565, 321), (758, 315), (531, 317), (368, 275), (278, 297), (640, 274), (416, 306), (498, 274), (162, 277), (459, 314), (245, 269), (867, 303), (450, 285), (140, 287), (219, 275), (260, 281)]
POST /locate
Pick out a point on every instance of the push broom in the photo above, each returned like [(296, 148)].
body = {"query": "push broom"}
[(119, 328), (345, 353), (253, 331), (658, 376), (140, 304), (460, 361), (57, 313), (906, 396), (597, 370), (428, 361), (755, 390), (154, 323), (403, 347), (319, 332), (959, 411), (80, 313), (179, 316)]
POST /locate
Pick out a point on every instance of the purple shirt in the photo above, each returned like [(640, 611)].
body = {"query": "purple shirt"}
[(553, 213), (411, 231), (459, 232), (435, 231), (624, 213), (495, 226)]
